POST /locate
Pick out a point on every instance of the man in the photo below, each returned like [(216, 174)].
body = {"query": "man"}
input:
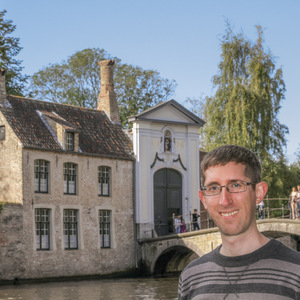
[(195, 217), (247, 265)]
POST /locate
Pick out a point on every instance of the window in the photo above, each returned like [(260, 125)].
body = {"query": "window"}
[(71, 228), (41, 169), (42, 228), (70, 171), (105, 228), (70, 141), (2, 132), (104, 181)]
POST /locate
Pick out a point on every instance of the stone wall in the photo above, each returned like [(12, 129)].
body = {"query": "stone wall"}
[(12, 252), (19, 257), (10, 166)]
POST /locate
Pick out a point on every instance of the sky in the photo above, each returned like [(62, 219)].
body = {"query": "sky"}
[(178, 38)]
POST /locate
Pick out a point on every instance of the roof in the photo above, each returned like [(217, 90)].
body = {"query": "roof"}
[(97, 134), (187, 117)]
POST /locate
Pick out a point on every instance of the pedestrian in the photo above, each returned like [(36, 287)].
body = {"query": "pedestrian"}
[(261, 210), (293, 200), (195, 217), (247, 265), (177, 224), (182, 226), (298, 200)]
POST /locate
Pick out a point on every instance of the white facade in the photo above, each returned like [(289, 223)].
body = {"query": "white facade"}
[(165, 137)]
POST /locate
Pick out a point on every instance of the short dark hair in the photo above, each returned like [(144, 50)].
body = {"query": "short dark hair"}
[(232, 153)]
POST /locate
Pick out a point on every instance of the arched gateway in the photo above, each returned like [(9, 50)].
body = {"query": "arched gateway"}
[(167, 199)]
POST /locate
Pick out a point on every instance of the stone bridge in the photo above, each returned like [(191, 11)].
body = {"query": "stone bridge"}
[(170, 254)]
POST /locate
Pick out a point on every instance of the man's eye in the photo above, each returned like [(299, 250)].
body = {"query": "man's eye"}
[(235, 185), (213, 188)]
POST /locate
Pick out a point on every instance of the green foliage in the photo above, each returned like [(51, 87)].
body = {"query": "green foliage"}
[(246, 104), (77, 82), (9, 49), (244, 110), (138, 90), (279, 176), (197, 106)]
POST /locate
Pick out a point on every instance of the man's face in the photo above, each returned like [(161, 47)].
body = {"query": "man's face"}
[(233, 213)]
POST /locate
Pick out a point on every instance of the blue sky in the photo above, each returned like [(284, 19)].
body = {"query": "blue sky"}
[(178, 38)]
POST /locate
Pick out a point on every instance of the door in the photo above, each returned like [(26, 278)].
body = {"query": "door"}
[(167, 199)]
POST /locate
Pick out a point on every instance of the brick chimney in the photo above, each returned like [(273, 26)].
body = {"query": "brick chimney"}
[(107, 100), (2, 86)]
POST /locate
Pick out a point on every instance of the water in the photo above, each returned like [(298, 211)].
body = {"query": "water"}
[(108, 289)]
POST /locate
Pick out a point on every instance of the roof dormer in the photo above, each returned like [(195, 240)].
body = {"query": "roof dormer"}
[(66, 133)]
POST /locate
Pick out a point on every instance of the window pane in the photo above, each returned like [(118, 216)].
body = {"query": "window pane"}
[(41, 176), (70, 229), (104, 181), (36, 184), (2, 132), (105, 224), (72, 187), (70, 171), (105, 188), (42, 225), (70, 141)]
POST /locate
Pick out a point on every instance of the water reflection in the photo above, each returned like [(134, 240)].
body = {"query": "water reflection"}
[(111, 289)]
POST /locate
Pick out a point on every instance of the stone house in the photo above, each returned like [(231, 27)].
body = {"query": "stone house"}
[(66, 178)]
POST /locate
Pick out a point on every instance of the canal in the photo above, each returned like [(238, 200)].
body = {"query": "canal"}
[(108, 289)]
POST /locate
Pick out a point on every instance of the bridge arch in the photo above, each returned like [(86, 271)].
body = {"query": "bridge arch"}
[(173, 256), (277, 227), (170, 254)]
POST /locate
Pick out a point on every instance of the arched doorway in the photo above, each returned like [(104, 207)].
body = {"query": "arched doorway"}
[(167, 199)]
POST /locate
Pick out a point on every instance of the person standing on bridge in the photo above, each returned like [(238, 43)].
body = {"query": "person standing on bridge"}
[(177, 224), (247, 265), (293, 201), (195, 217), (298, 200)]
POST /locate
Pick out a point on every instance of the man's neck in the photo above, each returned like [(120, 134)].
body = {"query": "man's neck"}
[(242, 244)]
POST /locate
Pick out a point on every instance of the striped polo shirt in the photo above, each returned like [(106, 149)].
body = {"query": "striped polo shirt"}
[(269, 273)]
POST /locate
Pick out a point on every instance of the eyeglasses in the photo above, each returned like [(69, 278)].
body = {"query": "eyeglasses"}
[(238, 186)]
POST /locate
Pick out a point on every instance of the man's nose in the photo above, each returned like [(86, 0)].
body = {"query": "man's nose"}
[(224, 198)]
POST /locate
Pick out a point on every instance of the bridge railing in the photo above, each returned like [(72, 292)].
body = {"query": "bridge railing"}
[(278, 208)]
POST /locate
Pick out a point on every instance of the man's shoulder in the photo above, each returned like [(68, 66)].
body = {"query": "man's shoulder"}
[(286, 253), (209, 257)]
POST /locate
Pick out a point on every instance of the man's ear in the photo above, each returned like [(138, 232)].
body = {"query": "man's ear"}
[(202, 198), (261, 189)]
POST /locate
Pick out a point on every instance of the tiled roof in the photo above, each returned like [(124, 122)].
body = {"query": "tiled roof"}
[(97, 134)]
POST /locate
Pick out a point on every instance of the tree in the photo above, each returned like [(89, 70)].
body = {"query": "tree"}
[(244, 110), (9, 49), (197, 106), (249, 90), (77, 82)]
